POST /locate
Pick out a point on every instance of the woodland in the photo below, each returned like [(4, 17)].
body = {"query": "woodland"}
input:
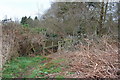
[(70, 40)]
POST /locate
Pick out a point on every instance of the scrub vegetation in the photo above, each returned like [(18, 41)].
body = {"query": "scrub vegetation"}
[(70, 40)]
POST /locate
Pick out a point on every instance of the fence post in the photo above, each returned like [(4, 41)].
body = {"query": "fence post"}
[(59, 46), (52, 47), (44, 47)]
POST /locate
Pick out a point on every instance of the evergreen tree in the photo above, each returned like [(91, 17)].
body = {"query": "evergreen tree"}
[(30, 21), (36, 18), (24, 20), (36, 21)]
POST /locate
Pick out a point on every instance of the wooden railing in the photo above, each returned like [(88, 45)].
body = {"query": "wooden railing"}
[(60, 45)]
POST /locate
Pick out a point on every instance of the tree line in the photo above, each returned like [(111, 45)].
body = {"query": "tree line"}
[(78, 18)]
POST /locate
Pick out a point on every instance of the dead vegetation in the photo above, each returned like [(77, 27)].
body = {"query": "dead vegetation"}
[(19, 41), (91, 61), (89, 43), (91, 58)]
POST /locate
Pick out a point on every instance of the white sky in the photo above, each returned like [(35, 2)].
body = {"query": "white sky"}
[(19, 8)]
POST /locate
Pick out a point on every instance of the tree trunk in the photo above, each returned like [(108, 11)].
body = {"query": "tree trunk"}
[(101, 20), (106, 6)]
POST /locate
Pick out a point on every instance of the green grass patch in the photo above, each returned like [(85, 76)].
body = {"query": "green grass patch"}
[(59, 76), (30, 67), (44, 69), (38, 30), (16, 67), (58, 61), (71, 73)]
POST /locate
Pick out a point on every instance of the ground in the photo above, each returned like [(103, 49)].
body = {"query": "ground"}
[(66, 64)]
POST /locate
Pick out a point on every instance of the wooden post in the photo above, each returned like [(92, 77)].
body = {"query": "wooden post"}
[(44, 42), (52, 46), (59, 45)]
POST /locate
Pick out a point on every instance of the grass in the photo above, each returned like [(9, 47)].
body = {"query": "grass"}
[(30, 67), (45, 69), (59, 76)]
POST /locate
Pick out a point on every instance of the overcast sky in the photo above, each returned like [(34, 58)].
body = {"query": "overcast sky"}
[(18, 8)]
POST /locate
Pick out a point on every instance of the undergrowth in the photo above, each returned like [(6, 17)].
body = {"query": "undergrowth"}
[(30, 67)]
